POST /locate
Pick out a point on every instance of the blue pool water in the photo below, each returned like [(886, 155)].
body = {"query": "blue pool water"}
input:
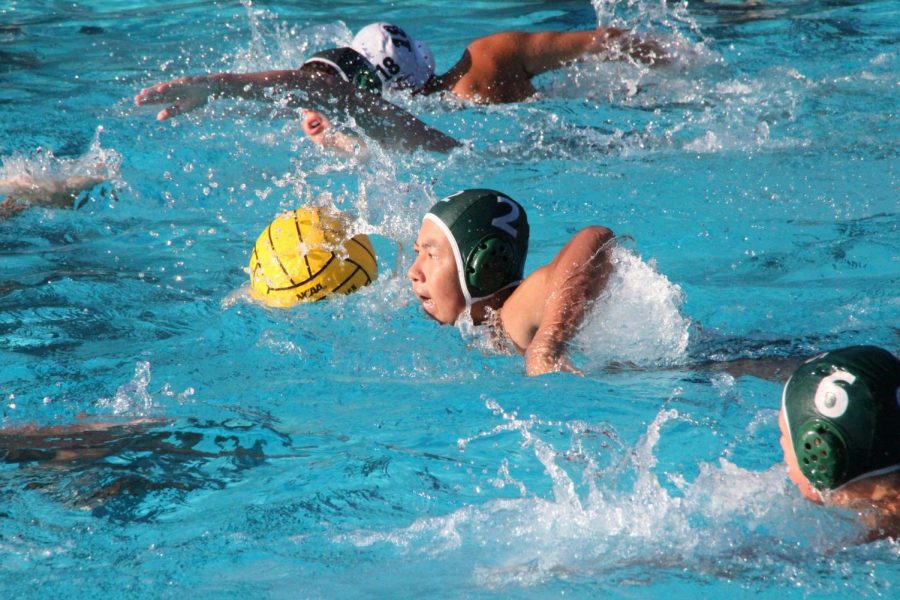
[(353, 448)]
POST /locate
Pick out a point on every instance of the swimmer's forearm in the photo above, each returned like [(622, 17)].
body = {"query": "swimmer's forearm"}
[(553, 49), (188, 93), (550, 50), (248, 86), (60, 193), (254, 86), (577, 276), (392, 125)]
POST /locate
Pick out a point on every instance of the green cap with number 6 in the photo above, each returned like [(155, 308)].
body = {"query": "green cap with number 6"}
[(843, 415), (488, 232)]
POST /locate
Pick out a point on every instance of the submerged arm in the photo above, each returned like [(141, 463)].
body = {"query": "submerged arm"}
[(393, 126), (24, 191), (572, 281)]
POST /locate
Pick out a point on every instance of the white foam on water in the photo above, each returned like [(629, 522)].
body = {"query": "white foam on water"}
[(134, 398), (274, 44), (726, 519), (637, 319), (42, 165)]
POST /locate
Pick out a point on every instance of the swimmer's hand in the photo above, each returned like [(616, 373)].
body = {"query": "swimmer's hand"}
[(541, 359), (320, 131), (619, 42), (24, 191), (183, 95), (62, 193), (648, 52), (48, 192)]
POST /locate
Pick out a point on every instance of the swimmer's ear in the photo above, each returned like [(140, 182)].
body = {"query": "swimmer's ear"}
[(821, 453)]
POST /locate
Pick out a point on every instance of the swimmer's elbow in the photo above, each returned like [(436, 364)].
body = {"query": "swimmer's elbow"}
[(585, 252), (594, 237)]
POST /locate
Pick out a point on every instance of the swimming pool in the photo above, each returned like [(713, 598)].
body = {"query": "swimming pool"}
[(353, 448)]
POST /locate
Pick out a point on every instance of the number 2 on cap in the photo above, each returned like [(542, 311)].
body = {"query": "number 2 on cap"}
[(504, 223)]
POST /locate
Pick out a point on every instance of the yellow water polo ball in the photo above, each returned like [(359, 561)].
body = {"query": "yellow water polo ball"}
[(305, 255)]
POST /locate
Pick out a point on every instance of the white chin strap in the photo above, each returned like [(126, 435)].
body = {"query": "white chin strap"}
[(460, 268)]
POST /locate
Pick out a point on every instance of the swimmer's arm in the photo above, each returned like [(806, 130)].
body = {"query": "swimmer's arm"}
[(25, 191), (387, 123), (541, 52), (61, 193), (393, 126), (187, 93), (572, 281)]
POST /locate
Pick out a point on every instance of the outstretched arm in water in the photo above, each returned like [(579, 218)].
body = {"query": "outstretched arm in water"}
[(541, 52), (387, 123), (187, 93), (23, 191)]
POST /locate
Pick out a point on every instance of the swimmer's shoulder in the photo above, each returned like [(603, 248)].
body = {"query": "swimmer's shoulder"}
[(521, 313), (491, 70)]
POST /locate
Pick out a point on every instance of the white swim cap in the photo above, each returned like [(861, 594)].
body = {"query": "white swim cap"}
[(400, 61)]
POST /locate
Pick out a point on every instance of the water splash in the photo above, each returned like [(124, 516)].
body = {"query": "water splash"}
[(636, 320), (727, 520), (132, 398), (43, 165), (276, 45)]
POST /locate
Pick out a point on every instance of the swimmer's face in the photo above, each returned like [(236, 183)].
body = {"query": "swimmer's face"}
[(793, 467), (434, 277), (314, 124)]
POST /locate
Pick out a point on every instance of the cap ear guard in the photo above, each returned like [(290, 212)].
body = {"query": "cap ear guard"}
[(491, 265), (367, 81), (821, 453)]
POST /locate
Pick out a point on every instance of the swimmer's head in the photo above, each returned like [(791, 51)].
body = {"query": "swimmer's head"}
[(841, 413), (488, 236), (400, 61), (349, 65)]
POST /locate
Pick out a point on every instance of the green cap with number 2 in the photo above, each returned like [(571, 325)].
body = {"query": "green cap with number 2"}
[(843, 415), (488, 232)]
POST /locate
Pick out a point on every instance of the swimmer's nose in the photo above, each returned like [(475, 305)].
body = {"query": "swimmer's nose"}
[(415, 273)]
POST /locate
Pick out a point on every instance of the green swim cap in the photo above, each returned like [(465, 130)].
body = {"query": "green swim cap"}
[(352, 67), (843, 414), (488, 232)]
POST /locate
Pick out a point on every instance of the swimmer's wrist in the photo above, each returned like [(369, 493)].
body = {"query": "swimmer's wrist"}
[(216, 84), (547, 358), (604, 36), (545, 348)]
